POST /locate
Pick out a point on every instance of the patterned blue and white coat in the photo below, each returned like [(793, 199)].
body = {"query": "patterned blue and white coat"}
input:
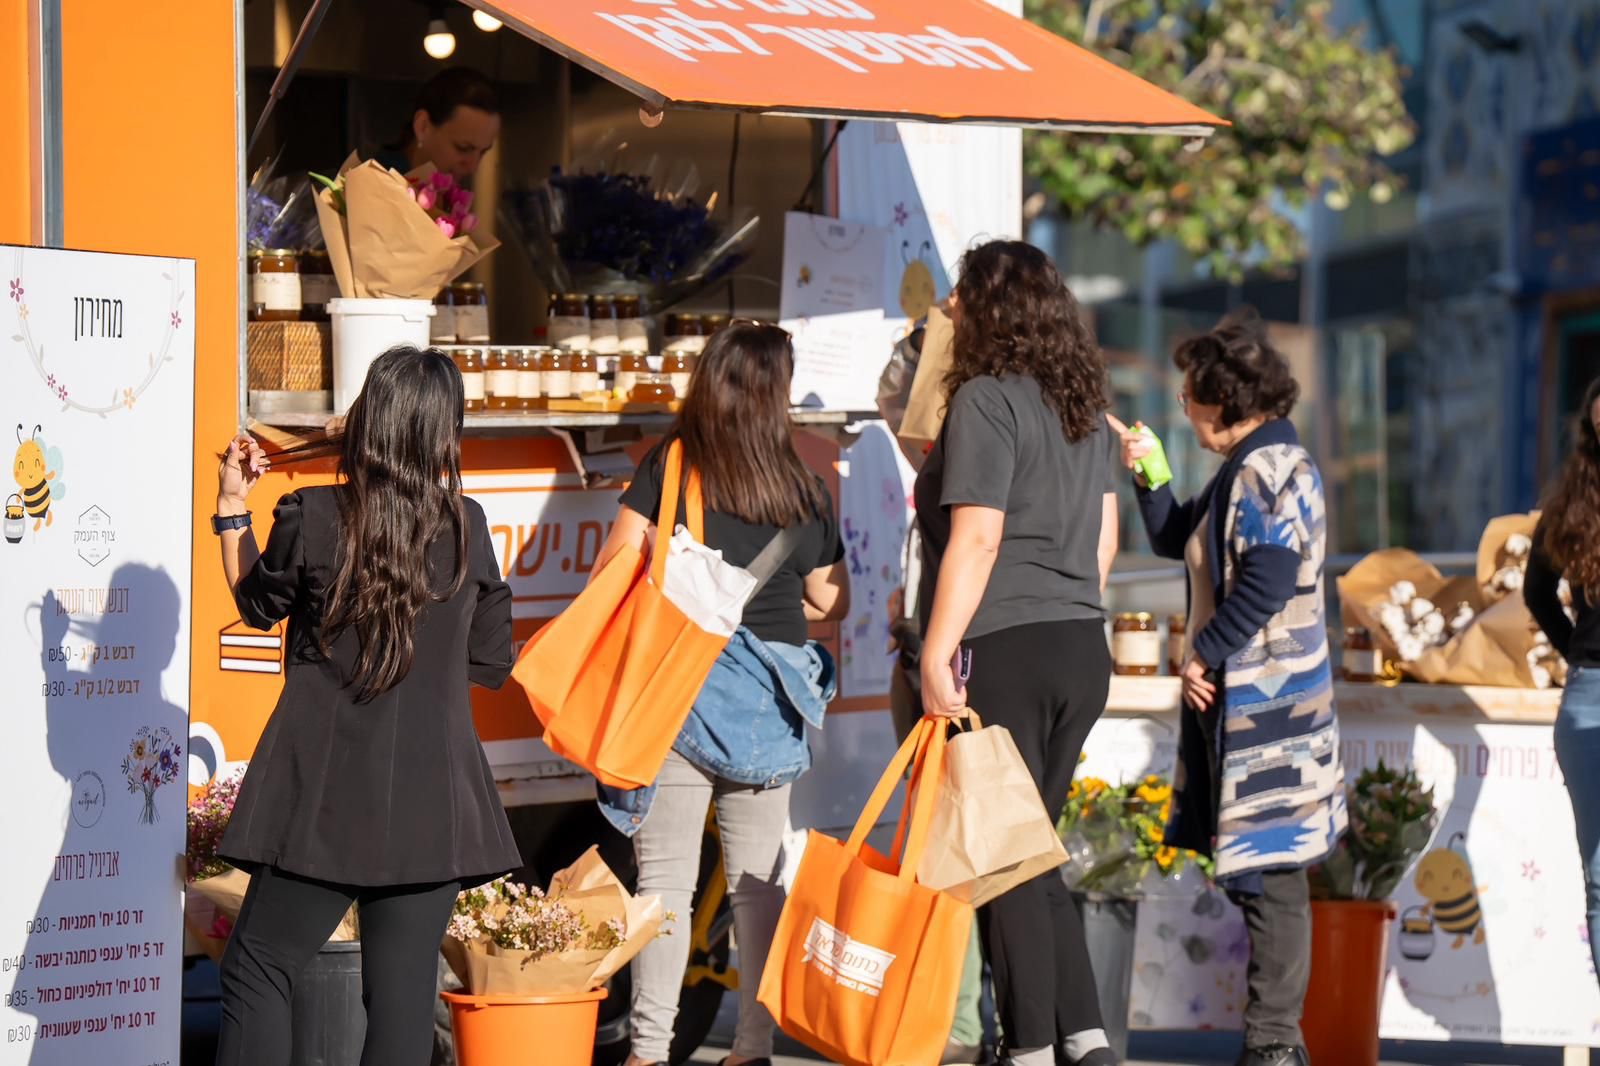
[(1266, 790)]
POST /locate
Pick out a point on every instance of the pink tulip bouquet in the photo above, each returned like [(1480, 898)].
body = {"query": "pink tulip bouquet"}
[(447, 203), (397, 235)]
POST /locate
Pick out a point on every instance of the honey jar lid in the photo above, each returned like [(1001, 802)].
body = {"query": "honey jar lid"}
[(1136, 616)]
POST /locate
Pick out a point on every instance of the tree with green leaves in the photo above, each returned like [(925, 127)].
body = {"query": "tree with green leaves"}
[(1314, 111)]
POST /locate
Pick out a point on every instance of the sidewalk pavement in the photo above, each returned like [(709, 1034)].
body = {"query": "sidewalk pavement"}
[(1214, 1049)]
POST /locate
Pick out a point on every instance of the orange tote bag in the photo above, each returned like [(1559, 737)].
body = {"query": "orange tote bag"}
[(866, 962), (614, 675)]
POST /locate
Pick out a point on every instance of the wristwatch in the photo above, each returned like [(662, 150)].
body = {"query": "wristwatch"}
[(222, 523)]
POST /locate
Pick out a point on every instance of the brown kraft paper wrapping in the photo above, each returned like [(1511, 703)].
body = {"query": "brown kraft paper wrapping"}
[(226, 893), (1492, 556), (926, 405), (592, 891), (1491, 651), (989, 831), (384, 245)]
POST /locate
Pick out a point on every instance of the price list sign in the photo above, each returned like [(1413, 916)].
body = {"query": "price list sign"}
[(97, 410)]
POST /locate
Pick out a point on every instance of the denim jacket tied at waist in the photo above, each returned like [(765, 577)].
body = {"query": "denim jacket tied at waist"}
[(749, 722)]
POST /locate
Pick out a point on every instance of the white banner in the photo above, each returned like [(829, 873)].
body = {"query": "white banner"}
[(1505, 845), (97, 387)]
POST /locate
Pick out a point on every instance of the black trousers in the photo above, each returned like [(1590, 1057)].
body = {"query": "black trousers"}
[(282, 924), (1279, 921), (1047, 683)]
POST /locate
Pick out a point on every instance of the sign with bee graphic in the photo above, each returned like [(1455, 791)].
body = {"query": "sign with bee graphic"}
[(1497, 895), (96, 388)]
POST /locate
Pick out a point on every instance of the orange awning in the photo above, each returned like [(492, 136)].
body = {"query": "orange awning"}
[(928, 60)]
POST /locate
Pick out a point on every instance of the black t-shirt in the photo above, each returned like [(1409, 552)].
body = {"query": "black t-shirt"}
[(1002, 447), (776, 613)]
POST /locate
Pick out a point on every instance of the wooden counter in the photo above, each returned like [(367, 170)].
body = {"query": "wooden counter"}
[(1159, 695)]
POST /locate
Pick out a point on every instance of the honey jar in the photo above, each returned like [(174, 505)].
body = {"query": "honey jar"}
[(317, 286), (569, 321), (633, 337), (442, 326), (709, 324), (530, 376), (1363, 660), (630, 366), (470, 301), (682, 333), (275, 294), (603, 339), (1177, 629), (1136, 645), (556, 367), (652, 388), (679, 367), (585, 373), (503, 379), (15, 523), (470, 361)]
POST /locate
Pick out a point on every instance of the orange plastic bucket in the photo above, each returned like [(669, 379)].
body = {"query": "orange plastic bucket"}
[(495, 1030), (1349, 960)]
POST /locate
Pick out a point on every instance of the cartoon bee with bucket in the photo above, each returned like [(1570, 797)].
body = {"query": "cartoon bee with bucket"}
[(35, 470), (1444, 879)]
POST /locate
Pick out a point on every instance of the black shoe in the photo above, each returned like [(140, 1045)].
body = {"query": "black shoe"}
[(1100, 1056), (958, 1054), (1274, 1055), (752, 1062)]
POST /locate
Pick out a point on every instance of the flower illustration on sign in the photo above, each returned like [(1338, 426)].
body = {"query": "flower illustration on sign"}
[(153, 760), (121, 398)]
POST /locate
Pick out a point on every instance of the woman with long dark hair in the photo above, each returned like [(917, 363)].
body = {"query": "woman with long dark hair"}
[(745, 738), (1258, 785), (369, 785), (1016, 503), (1566, 546)]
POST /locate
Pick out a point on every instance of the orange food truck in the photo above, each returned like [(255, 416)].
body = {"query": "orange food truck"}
[(145, 123)]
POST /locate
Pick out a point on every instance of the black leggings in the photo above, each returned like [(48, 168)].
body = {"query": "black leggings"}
[(1047, 683), (286, 919)]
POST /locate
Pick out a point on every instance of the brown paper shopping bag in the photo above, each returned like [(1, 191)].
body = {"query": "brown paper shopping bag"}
[(990, 831), (926, 405)]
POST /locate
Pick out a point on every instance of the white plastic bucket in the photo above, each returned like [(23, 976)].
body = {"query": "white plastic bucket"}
[(364, 329)]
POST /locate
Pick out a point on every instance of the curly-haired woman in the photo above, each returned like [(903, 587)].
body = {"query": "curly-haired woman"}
[(1258, 784), (1017, 505), (1566, 544)]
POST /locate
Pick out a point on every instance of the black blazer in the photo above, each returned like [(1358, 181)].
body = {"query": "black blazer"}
[(396, 790)]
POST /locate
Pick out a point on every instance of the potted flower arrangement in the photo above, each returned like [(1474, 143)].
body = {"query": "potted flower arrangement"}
[(1392, 822), (1116, 855), (533, 963)]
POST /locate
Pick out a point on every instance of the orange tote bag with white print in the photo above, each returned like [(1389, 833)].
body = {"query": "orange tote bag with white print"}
[(613, 677), (866, 962)]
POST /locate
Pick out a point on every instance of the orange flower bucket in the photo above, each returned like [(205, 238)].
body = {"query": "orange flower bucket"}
[(495, 1030)]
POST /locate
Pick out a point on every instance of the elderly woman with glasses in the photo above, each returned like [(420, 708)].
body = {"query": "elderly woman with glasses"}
[(1259, 784)]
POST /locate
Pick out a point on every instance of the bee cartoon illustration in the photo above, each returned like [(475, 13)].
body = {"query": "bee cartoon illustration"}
[(36, 469), (917, 291), (1444, 878)]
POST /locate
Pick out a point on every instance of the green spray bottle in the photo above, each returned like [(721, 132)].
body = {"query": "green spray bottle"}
[(1153, 467)]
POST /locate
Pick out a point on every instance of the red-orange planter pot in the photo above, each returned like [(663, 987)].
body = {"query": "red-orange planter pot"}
[(496, 1030), (1349, 960)]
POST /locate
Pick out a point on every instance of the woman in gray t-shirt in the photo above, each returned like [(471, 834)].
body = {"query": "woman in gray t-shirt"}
[(1016, 503)]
